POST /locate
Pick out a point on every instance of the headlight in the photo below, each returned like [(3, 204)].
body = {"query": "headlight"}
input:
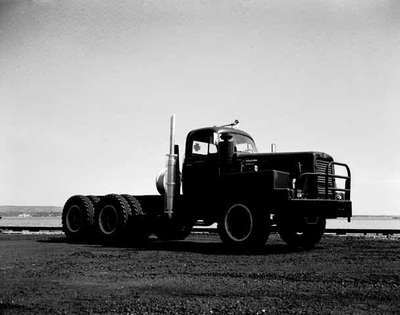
[(299, 194), (339, 196)]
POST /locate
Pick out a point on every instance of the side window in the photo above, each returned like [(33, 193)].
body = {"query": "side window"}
[(212, 149), (203, 147), (200, 148)]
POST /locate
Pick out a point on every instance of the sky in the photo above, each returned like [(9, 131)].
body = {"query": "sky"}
[(87, 88)]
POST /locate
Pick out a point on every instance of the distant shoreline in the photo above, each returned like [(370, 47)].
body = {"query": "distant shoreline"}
[(45, 211), (33, 211)]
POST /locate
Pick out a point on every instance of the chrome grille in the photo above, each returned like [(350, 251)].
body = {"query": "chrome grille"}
[(320, 167)]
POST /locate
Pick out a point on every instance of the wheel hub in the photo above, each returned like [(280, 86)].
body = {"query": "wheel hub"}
[(108, 219), (74, 219)]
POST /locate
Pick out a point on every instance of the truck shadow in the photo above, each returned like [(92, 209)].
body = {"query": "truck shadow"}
[(214, 248), (190, 246)]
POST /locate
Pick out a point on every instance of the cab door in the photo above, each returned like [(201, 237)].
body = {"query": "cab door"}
[(200, 171)]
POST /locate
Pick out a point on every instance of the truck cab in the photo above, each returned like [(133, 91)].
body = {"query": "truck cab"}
[(207, 158), (223, 170)]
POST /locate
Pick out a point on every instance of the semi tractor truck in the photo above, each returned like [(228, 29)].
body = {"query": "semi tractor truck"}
[(224, 180)]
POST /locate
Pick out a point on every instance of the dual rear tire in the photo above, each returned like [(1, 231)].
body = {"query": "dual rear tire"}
[(109, 218), (78, 218)]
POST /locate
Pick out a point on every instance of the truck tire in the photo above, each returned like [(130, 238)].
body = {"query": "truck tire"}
[(134, 204), (298, 232), (244, 225), (77, 217), (138, 227), (94, 199), (111, 217)]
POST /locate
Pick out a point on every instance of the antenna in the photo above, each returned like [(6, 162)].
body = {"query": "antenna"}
[(236, 122)]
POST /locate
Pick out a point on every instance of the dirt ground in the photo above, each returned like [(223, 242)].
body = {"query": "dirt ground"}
[(43, 274)]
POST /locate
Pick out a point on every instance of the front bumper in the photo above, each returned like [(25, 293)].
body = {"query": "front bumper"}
[(329, 209)]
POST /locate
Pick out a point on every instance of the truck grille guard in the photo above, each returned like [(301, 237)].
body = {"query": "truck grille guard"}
[(330, 189)]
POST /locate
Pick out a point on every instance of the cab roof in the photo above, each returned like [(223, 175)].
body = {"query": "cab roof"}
[(223, 129)]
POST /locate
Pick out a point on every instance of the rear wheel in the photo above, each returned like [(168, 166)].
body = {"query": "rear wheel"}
[(94, 199), (243, 224), (301, 231), (111, 217), (77, 217)]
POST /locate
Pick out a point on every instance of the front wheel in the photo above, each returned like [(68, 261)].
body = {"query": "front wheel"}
[(243, 224), (301, 231)]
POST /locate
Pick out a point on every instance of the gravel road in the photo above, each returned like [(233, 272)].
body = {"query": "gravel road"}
[(42, 274)]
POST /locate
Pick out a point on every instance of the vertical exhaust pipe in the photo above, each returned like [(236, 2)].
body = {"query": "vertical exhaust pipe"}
[(171, 170)]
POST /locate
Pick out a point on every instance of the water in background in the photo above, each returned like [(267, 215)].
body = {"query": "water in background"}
[(357, 222), (31, 221), (365, 222)]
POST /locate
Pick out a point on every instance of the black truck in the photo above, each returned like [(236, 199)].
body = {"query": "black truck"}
[(224, 180)]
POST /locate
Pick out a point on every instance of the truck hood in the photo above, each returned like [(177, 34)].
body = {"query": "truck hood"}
[(292, 162)]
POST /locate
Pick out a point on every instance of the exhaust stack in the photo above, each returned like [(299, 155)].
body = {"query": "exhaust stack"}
[(171, 170)]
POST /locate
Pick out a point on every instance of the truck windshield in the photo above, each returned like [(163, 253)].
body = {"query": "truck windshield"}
[(244, 144)]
